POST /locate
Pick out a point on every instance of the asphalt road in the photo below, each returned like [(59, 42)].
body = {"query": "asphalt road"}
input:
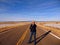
[(42, 38), (12, 36)]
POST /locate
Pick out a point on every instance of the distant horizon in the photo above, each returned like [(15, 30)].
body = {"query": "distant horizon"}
[(29, 21)]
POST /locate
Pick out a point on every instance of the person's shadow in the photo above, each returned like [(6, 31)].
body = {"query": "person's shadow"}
[(41, 37)]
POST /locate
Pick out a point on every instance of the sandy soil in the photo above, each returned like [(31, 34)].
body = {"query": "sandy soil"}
[(54, 30), (3, 27), (53, 25)]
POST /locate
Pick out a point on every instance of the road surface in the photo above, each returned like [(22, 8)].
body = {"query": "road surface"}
[(12, 37), (42, 38)]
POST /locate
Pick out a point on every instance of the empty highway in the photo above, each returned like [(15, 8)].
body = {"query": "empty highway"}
[(14, 35)]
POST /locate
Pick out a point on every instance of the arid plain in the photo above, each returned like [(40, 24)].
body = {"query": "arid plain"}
[(17, 33)]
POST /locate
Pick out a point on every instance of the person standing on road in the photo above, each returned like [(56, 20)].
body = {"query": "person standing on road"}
[(33, 32)]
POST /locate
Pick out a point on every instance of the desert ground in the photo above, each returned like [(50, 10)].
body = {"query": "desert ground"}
[(17, 33)]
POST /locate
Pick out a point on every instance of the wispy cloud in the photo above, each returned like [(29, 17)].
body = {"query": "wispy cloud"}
[(29, 9)]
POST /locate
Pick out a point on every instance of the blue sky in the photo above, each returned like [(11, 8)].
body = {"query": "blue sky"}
[(27, 10)]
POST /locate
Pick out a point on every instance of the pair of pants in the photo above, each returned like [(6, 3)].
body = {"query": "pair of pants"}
[(31, 34)]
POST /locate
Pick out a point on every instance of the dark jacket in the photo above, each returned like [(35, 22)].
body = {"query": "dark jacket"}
[(33, 28)]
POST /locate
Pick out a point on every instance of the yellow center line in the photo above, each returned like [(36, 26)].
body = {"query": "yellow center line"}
[(22, 38)]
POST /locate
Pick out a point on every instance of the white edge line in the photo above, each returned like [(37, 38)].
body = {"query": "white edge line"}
[(55, 35), (52, 34)]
